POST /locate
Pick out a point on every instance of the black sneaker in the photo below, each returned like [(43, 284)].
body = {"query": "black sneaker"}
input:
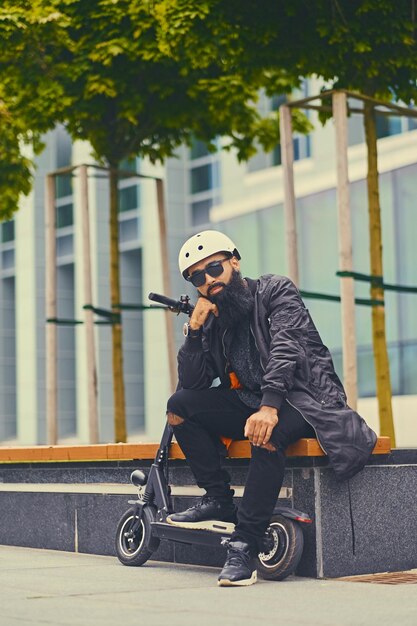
[(239, 569), (208, 514)]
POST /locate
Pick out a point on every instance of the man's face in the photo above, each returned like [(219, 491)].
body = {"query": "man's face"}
[(213, 286)]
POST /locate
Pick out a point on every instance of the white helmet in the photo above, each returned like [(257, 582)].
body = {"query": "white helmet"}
[(202, 245)]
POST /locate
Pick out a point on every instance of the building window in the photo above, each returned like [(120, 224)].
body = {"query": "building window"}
[(63, 185), (63, 147), (7, 231), (64, 215), (65, 247), (129, 230), (129, 205), (387, 125), (7, 259), (411, 123), (204, 177), (129, 165), (198, 149), (393, 125), (200, 212), (129, 190), (128, 198)]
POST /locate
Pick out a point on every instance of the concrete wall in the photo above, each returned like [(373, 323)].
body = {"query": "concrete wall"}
[(363, 525)]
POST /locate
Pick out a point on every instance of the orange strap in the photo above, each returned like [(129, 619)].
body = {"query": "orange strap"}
[(226, 441), (234, 381), (234, 384)]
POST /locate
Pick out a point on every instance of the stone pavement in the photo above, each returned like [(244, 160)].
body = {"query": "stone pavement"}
[(41, 587)]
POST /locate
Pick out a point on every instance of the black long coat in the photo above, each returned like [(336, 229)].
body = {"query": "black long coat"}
[(297, 366)]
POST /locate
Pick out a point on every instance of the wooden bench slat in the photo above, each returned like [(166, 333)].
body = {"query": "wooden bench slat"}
[(145, 451), (382, 446)]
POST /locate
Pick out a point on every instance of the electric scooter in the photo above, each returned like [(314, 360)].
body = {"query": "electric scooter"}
[(144, 525)]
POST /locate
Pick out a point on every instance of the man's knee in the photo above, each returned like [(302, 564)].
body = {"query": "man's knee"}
[(177, 404), (174, 420)]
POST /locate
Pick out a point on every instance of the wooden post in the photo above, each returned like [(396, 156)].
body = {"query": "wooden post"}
[(347, 287), (287, 158), (172, 360), (51, 313), (89, 314)]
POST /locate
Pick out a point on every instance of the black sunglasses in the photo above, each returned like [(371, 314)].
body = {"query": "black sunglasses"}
[(213, 269)]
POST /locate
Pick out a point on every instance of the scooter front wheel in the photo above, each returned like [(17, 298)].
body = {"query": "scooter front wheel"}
[(135, 546), (284, 542)]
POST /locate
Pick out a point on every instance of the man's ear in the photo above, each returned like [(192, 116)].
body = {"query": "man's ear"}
[(235, 263)]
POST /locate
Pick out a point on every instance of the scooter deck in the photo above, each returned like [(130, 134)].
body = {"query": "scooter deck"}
[(188, 535)]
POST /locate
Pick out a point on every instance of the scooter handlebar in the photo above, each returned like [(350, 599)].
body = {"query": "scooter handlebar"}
[(183, 305)]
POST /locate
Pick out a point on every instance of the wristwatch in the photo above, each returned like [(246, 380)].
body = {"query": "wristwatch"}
[(190, 332)]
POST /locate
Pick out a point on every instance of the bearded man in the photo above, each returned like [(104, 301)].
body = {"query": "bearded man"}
[(252, 366)]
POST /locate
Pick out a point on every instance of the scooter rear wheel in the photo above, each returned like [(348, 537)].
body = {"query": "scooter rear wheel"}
[(284, 544), (135, 548)]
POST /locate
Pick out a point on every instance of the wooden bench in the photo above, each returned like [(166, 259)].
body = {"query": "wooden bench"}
[(144, 451)]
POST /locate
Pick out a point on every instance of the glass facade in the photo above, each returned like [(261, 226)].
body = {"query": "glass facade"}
[(386, 126), (8, 396), (130, 241), (67, 409), (133, 339), (260, 236), (64, 211)]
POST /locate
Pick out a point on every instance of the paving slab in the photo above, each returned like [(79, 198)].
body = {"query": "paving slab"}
[(44, 587)]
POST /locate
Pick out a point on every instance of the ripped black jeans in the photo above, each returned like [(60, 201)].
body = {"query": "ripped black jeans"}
[(209, 413)]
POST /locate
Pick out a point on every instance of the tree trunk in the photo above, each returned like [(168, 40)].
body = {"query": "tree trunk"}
[(382, 373), (115, 298)]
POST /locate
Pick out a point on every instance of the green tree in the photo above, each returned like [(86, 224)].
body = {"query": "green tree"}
[(367, 46), (15, 168), (100, 68), (28, 107)]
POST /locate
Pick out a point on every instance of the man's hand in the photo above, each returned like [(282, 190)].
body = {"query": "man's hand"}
[(202, 310), (260, 425)]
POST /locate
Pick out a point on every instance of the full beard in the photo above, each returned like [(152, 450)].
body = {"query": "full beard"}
[(234, 302)]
